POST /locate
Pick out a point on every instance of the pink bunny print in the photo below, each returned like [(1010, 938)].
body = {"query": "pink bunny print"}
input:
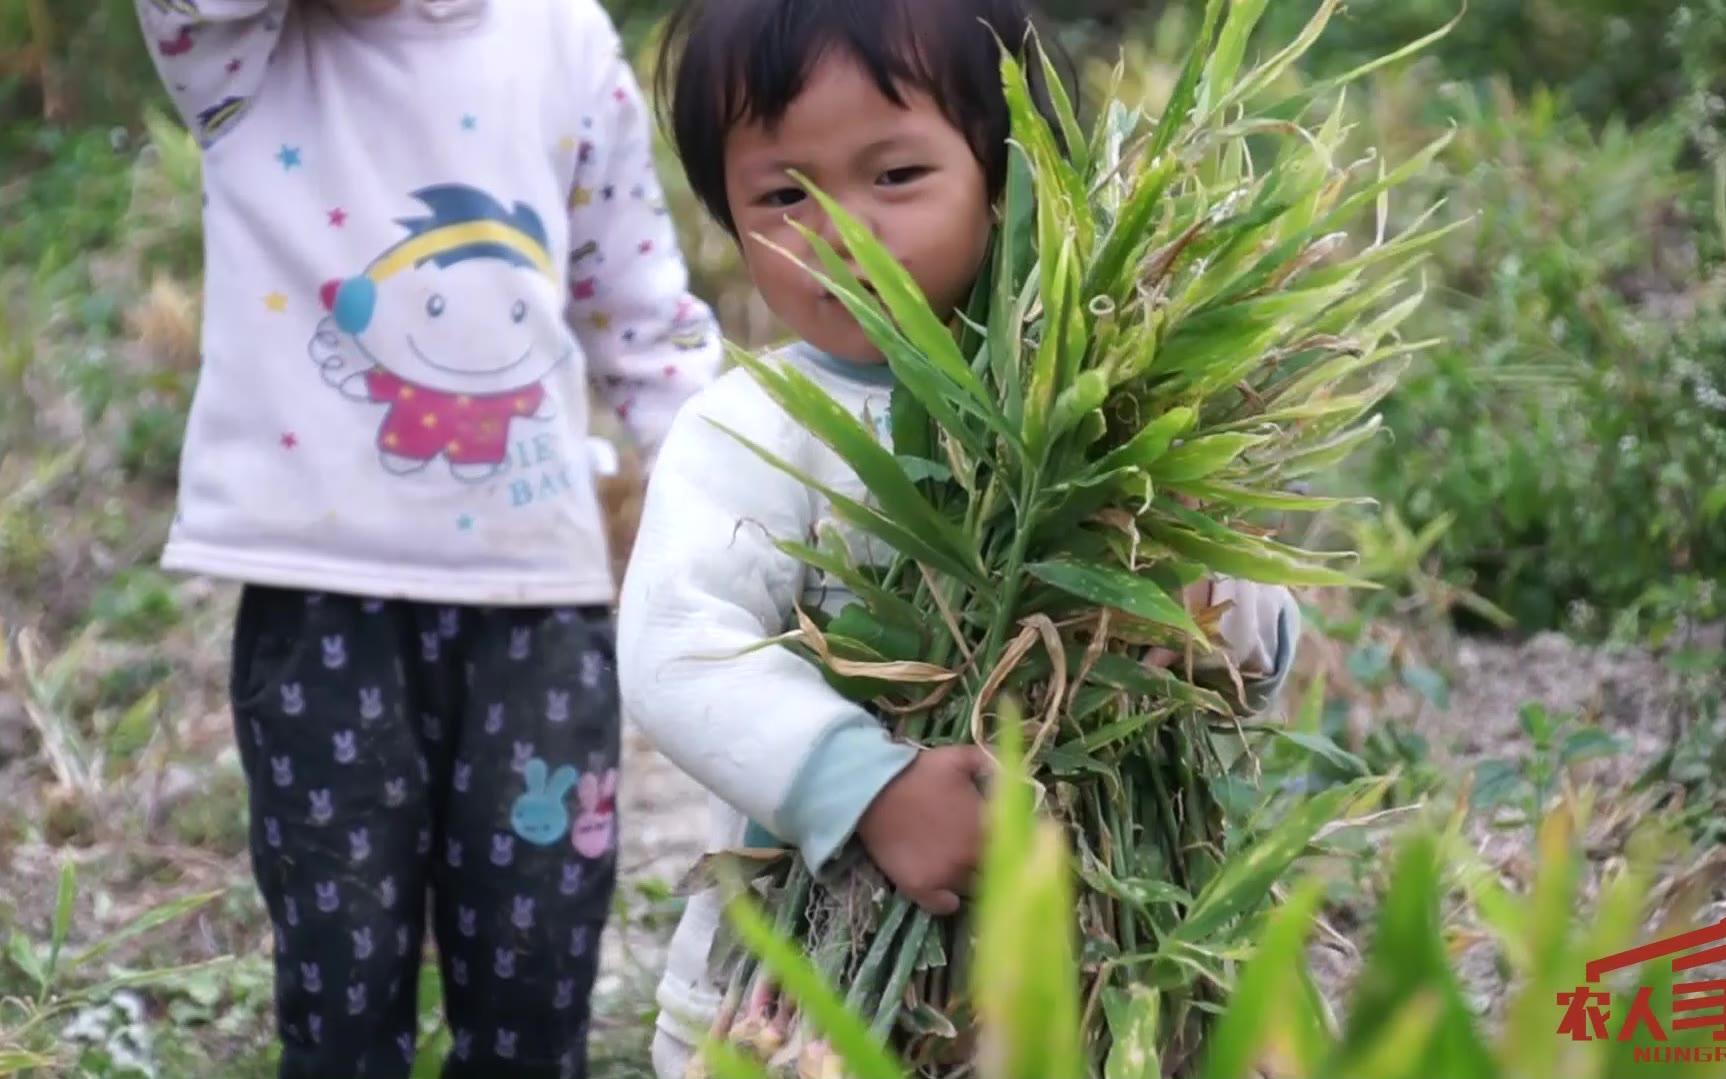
[(595, 830)]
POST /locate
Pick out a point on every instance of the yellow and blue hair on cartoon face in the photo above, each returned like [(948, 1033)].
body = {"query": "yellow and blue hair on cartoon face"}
[(464, 223)]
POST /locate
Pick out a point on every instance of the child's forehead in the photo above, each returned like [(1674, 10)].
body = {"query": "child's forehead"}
[(841, 107)]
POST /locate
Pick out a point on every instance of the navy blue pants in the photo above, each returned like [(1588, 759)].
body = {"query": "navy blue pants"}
[(398, 751)]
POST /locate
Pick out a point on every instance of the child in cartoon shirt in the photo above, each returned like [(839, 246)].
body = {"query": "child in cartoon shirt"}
[(431, 227)]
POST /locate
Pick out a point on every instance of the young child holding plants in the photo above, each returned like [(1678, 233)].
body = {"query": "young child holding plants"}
[(895, 110), (432, 226)]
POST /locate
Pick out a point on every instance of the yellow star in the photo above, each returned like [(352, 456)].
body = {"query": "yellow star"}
[(581, 196), (566, 144), (601, 320), (276, 302)]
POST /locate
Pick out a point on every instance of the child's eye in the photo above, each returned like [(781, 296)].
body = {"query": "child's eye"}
[(519, 311), (898, 177), (782, 198), (435, 305)]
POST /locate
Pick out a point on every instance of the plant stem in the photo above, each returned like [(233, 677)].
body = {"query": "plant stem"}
[(892, 997), (878, 950)]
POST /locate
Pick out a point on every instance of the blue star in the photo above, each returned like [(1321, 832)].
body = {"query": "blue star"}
[(469, 122), (289, 156), (465, 523)]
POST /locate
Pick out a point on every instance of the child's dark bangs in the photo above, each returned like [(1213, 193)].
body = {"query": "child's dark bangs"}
[(773, 61), (746, 61)]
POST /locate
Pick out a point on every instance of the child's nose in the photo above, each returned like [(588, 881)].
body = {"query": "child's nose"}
[(858, 208)]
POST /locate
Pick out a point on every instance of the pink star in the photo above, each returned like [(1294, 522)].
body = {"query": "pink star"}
[(235, 65), (586, 288), (338, 218), (646, 247), (623, 410), (289, 440), (670, 370), (620, 95)]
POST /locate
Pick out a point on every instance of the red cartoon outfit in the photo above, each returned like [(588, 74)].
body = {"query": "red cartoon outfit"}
[(468, 429)]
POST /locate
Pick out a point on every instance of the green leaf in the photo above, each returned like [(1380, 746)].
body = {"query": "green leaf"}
[(1241, 497), (1151, 442), (944, 400), (1013, 257), (1589, 743), (1310, 718), (904, 540), (1202, 457), (1243, 883), (146, 922), (1428, 683), (893, 491), (1078, 147), (1535, 721), (1121, 730), (1231, 47), (724, 1062), (1119, 672), (1496, 782), (68, 893), (1326, 749), (1407, 961), (796, 976), (1132, 1017), (1116, 588), (1261, 77), (1186, 89), (22, 952), (1110, 274), (1025, 972), (1251, 560), (880, 601), (1054, 171), (901, 295), (1271, 1004)]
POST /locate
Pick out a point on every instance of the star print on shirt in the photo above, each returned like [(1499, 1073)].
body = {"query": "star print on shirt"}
[(276, 302), (290, 440), (338, 218), (469, 122), (289, 156)]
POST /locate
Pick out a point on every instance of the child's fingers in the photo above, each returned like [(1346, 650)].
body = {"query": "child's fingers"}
[(940, 903)]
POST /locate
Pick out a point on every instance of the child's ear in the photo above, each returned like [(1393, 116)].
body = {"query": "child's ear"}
[(535, 774), (561, 781)]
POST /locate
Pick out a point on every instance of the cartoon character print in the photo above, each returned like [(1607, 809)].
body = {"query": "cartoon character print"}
[(180, 44), (595, 829), (218, 118), (453, 329), (540, 816)]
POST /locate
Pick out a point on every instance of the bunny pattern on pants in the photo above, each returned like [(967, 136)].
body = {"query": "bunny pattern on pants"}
[(395, 749)]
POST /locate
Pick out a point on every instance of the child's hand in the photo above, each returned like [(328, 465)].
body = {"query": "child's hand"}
[(1249, 628), (925, 829)]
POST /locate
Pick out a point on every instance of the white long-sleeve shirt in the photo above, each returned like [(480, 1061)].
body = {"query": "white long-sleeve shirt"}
[(428, 235), (762, 730)]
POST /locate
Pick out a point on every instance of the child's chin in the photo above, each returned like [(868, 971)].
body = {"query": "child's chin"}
[(853, 346)]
